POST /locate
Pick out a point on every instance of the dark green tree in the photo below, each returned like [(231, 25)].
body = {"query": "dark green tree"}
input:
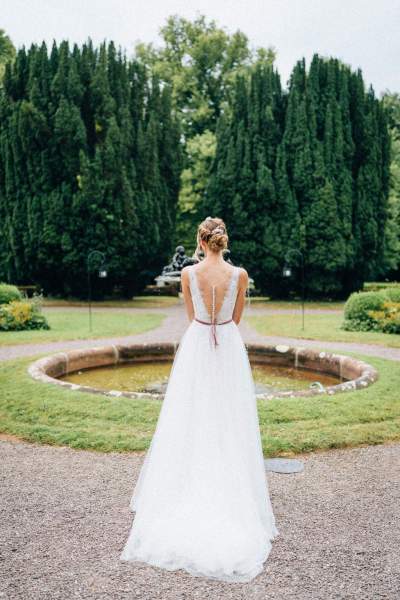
[(89, 158), (305, 169)]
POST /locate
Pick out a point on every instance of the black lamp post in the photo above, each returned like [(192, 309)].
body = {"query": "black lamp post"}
[(98, 257), (287, 272)]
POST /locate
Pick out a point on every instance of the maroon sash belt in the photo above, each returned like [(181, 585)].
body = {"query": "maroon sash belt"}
[(213, 325)]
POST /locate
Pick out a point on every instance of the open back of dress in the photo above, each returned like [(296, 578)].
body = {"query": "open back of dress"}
[(221, 303)]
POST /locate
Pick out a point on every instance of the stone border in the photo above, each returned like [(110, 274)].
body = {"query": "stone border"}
[(356, 373)]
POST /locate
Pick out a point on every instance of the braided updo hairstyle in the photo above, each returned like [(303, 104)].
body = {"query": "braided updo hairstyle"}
[(213, 232)]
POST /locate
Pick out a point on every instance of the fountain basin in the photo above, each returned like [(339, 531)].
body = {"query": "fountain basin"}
[(353, 374)]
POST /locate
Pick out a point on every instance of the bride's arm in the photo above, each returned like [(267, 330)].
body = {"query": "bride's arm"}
[(243, 283), (187, 296)]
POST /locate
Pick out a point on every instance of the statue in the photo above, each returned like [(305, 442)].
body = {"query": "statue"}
[(171, 274), (177, 262)]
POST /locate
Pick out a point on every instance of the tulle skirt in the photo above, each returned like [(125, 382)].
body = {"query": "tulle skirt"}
[(201, 501)]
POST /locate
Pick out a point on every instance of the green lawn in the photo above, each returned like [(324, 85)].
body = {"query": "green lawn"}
[(323, 326), (74, 325), (265, 302), (138, 302), (46, 413), (164, 301)]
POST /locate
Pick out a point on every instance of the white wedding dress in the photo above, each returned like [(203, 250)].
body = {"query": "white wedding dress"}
[(201, 501)]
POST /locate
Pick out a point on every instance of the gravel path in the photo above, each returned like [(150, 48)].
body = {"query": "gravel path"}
[(175, 324), (65, 518)]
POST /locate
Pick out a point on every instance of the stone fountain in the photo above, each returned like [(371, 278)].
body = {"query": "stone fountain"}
[(352, 374)]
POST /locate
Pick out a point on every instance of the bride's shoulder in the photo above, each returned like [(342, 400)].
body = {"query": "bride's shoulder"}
[(243, 275), (187, 268), (185, 272), (241, 270)]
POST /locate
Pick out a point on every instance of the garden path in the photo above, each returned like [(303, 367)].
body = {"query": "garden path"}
[(175, 324)]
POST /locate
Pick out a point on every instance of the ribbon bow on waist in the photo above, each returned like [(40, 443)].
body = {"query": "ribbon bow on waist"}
[(213, 326)]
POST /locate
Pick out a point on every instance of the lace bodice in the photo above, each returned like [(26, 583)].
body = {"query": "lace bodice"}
[(229, 300)]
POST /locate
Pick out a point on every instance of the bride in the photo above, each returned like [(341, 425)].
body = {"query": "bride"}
[(201, 499)]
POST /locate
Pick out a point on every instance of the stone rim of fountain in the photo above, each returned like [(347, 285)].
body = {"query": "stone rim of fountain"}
[(356, 373)]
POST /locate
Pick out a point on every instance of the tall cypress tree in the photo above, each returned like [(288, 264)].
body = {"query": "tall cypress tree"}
[(243, 182), (305, 170), (82, 131)]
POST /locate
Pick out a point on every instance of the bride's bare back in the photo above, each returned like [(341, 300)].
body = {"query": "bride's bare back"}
[(220, 287), (213, 285)]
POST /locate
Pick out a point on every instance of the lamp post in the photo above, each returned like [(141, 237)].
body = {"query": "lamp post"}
[(100, 258), (287, 272)]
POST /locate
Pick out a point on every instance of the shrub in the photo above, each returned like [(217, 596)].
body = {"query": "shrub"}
[(357, 309), (18, 315), (375, 286), (8, 293), (373, 311), (388, 319), (393, 293)]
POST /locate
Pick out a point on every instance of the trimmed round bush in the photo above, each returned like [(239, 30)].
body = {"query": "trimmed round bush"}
[(356, 315), (373, 311), (359, 302), (8, 293)]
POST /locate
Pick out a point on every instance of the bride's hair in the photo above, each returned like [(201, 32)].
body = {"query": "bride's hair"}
[(213, 232)]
